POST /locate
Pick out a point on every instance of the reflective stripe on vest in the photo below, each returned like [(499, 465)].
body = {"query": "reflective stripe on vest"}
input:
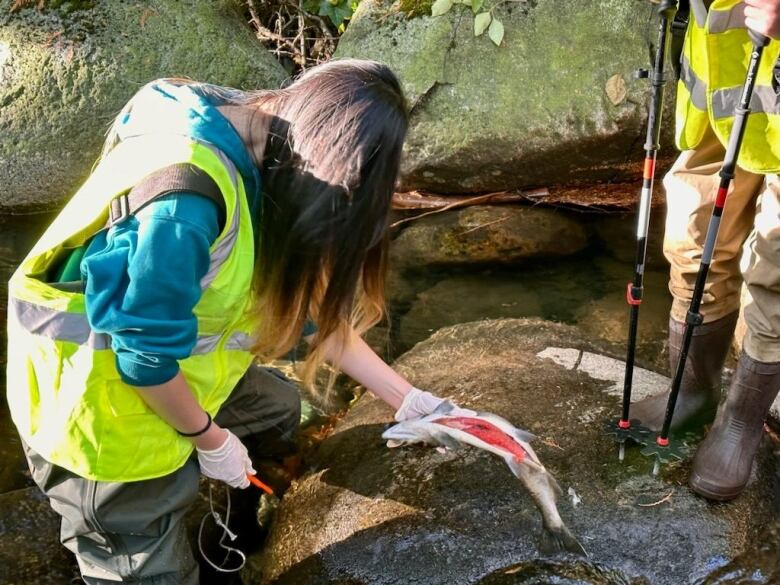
[(715, 55), (64, 392), (74, 328)]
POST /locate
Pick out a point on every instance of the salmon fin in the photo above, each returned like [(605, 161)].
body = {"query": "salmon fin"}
[(560, 540), (525, 436), (446, 440), (514, 464)]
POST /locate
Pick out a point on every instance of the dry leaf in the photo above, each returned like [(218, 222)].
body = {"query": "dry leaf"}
[(146, 14), (616, 89)]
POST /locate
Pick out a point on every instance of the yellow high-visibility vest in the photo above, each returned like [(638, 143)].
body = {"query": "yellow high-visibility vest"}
[(64, 392), (716, 53)]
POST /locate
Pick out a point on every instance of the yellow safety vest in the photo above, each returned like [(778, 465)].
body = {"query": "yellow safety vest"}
[(64, 392), (716, 52)]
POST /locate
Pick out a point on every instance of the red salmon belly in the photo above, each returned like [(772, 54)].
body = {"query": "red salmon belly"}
[(484, 431)]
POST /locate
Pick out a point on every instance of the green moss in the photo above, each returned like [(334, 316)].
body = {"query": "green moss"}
[(415, 8)]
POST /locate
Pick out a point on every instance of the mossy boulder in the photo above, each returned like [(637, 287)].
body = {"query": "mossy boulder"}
[(66, 71), (538, 110), (487, 235)]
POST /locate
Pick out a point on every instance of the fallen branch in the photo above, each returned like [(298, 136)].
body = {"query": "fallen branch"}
[(417, 200), (666, 498), (500, 197), (484, 225), (551, 443)]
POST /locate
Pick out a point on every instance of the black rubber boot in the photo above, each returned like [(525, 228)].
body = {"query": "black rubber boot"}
[(699, 394), (721, 468)]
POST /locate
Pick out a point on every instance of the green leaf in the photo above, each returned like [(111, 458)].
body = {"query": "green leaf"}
[(336, 10), (496, 32), (481, 22), (476, 5), (441, 7)]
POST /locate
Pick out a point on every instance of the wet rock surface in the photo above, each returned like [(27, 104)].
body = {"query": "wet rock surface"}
[(367, 514), (461, 299), (607, 318), (30, 551), (587, 290), (66, 71), (617, 234), (536, 111), (485, 234)]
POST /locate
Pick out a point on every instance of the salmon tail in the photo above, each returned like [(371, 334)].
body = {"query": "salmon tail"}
[(558, 540)]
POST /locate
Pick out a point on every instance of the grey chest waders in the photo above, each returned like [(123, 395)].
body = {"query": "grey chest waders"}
[(664, 449), (624, 428)]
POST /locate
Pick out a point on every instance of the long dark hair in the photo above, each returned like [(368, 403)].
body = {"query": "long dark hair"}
[(329, 170), (333, 142)]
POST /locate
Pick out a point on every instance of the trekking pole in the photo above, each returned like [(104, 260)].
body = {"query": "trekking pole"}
[(663, 449), (624, 428)]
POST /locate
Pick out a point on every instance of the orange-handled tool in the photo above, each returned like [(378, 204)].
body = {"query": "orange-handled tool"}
[(253, 479)]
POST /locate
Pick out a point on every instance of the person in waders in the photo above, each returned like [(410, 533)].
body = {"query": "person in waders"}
[(217, 227), (746, 261)]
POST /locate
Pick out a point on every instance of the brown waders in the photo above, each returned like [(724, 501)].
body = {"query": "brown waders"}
[(721, 469), (746, 264), (134, 532)]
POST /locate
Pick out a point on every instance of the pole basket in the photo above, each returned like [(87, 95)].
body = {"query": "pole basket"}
[(674, 450), (620, 432)]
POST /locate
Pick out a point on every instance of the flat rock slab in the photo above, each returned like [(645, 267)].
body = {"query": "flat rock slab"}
[(608, 369), (371, 515)]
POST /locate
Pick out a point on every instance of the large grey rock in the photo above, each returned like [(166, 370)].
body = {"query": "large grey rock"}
[(487, 235), (534, 111), (65, 73), (370, 515)]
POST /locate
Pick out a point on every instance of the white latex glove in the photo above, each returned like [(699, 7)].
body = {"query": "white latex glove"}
[(229, 462), (420, 403)]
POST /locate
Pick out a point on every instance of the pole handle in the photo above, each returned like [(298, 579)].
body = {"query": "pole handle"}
[(758, 39)]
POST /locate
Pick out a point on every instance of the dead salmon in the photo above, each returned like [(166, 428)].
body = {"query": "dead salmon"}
[(494, 434)]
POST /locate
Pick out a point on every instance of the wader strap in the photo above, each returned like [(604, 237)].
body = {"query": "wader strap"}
[(172, 179)]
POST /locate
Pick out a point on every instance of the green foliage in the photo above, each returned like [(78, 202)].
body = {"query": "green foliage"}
[(337, 11), (481, 22), (415, 8), (441, 7), (484, 20), (64, 5), (496, 32)]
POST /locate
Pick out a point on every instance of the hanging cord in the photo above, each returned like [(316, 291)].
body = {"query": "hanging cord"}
[(225, 532)]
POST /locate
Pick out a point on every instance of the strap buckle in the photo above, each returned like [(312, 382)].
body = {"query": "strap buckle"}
[(118, 210)]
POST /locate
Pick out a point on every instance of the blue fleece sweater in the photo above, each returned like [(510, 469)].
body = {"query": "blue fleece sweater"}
[(142, 277)]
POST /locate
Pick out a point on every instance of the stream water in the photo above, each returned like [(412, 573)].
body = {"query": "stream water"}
[(587, 290)]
